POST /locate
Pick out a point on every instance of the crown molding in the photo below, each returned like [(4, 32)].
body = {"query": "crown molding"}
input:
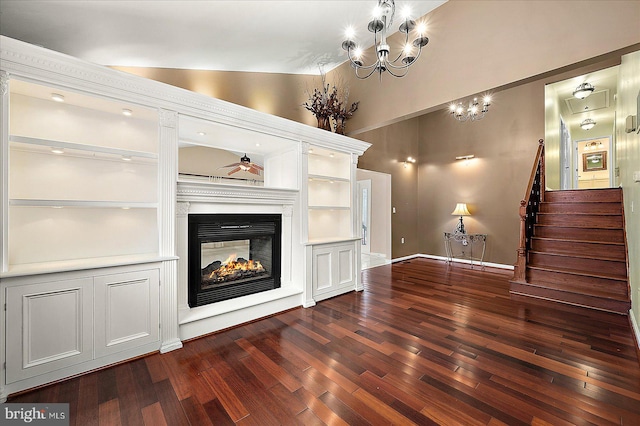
[(39, 65)]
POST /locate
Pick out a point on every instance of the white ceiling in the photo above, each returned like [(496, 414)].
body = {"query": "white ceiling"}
[(259, 36)]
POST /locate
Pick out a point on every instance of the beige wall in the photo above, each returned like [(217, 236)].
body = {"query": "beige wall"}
[(391, 147), (628, 156), (479, 45), (276, 94), (492, 184)]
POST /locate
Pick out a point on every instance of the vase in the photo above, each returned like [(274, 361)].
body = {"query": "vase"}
[(323, 122), (340, 125)]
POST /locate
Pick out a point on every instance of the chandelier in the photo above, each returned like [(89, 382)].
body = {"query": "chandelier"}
[(379, 26), (472, 112), (584, 90)]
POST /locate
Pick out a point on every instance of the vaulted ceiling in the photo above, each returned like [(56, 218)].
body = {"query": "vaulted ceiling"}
[(261, 36)]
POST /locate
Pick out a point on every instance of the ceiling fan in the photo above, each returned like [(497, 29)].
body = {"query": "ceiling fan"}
[(246, 165)]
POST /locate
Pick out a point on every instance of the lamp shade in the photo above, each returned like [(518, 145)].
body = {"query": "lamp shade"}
[(461, 210)]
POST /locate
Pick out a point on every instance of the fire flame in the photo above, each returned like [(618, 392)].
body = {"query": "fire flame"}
[(231, 267)]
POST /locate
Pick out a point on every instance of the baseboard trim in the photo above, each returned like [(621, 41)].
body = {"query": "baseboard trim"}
[(634, 328), (443, 258)]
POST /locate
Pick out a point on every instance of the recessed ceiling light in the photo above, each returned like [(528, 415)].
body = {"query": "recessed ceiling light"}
[(202, 133), (257, 144), (57, 97), (127, 112), (126, 158), (56, 150)]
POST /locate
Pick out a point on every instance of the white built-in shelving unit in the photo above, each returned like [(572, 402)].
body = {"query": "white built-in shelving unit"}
[(83, 178), (93, 213)]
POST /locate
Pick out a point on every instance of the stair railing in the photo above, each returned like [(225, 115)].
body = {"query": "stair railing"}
[(529, 207)]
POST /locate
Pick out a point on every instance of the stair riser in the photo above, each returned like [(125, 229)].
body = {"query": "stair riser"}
[(608, 251), (588, 220), (582, 234), (607, 195), (607, 208), (594, 266), (621, 307), (594, 286)]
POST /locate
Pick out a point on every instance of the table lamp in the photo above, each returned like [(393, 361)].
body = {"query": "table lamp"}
[(460, 210)]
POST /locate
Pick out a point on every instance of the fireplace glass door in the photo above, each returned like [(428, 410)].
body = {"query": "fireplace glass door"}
[(232, 256)]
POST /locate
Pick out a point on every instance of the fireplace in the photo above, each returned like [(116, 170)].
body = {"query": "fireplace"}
[(232, 255)]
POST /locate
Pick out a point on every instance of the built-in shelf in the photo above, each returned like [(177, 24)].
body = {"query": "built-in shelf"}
[(81, 264), (81, 203), (82, 147), (329, 208), (329, 179)]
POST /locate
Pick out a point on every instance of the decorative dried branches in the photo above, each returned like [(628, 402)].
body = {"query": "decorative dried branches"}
[(329, 105)]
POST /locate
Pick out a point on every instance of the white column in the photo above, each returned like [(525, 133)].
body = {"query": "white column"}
[(4, 168), (182, 251), (355, 222), (4, 210), (167, 176)]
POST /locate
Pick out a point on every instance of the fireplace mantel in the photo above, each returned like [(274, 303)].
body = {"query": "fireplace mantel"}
[(205, 192)]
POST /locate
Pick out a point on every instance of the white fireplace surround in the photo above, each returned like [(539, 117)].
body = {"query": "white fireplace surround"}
[(211, 198)]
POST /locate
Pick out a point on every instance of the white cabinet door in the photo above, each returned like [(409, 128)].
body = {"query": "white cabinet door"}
[(49, 326), (333, 269), (126, 311)]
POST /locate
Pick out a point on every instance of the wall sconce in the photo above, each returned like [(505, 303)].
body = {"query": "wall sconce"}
[(409, 160), (465, 157), (460, 210)]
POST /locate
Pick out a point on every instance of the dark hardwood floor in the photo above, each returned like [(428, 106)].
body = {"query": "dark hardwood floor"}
[(424, 343)]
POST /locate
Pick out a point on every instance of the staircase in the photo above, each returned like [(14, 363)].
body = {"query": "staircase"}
[(576, 251)]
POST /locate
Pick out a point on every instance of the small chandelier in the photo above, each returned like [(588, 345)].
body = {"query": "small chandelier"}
[(587, 124), (379, 26), (472, 112), (584, 90)]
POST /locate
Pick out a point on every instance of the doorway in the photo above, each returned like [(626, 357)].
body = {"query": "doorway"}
[(374, 217), (571, 122)]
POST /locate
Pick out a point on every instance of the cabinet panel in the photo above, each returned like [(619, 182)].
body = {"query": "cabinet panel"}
[(333, 269), (322, 269), (345, 266), (126, 311), (50, 327)]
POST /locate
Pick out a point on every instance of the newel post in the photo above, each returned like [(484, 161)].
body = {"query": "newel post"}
[(521, 262)]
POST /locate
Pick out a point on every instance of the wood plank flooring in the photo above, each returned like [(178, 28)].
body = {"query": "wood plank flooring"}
[(423, 344)]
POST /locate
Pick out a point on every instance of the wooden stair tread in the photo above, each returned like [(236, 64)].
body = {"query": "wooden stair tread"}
[(582, 213), (593, 292), (579, 256), (579, 227), (566, 240), (579, 272)]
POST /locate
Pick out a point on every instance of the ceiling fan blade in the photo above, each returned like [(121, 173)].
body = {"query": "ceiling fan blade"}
[(230, 165), (254, 170), (237, 169), (257, 166)]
